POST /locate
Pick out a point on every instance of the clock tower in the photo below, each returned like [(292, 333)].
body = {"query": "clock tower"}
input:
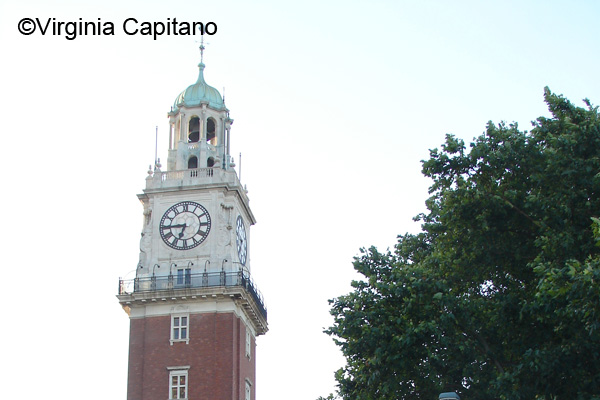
[(194, 310)]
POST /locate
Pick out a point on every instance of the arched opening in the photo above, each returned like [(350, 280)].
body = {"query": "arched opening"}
[(194, 130), (211, 132), (210, 162), (193, 162)]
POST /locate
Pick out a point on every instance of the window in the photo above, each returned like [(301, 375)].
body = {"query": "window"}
[(179, 328), (178, 384), (193, 162), (248, 390), (248, 343), (188, 276), (194, 129), (211, 136)]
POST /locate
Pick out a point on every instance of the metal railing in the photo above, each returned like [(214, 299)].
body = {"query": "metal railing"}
[(193, 281)]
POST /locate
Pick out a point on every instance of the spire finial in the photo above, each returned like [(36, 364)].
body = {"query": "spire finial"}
[(202, 49)]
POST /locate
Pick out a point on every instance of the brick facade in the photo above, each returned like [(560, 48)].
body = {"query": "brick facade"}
[(215, 354)]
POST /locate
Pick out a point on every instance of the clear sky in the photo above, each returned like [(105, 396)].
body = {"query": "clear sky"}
[(335, 103)]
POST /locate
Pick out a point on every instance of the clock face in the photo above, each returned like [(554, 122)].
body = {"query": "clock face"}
[(242, 243), (185, 225)]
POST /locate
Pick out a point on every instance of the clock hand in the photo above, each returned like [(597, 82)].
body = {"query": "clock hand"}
[(175, 226), (182, 229)]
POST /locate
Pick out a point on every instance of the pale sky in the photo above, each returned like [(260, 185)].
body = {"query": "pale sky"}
[(335, 103)]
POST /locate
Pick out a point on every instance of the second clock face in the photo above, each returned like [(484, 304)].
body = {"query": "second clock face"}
[(241, 241), (185, 225)]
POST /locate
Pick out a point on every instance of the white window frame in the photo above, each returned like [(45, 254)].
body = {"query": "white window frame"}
[(178, 372), (183, 277), (178, 326), (248, 343), (248, 391)]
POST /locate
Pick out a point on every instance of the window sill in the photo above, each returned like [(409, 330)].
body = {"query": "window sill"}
[(186, 341)]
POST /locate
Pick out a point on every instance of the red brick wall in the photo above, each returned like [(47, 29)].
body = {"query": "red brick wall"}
[(216, 354)]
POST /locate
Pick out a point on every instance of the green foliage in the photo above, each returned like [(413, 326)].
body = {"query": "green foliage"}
[(498, 297)]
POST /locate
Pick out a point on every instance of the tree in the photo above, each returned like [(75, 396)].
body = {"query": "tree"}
[(499, 296)]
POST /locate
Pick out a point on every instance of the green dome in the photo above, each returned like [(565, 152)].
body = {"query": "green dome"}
[(199, 92)]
